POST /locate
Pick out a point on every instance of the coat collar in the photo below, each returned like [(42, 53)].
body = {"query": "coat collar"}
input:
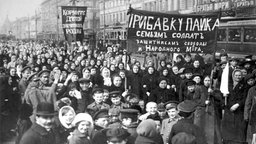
[(78, 133), (39, 129)]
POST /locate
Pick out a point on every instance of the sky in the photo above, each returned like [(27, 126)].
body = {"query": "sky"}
[(17, 8)]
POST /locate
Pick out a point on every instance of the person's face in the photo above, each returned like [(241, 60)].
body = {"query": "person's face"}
[(83, 127), (92, 62), (105, 96), (73, 66), (112, 67), (158, 125), (74, 78), (84, 86), (26, 73), (93, 71), (197, 79), (251, 81), (106, 73), (188, 58), (223, 66), (207, 81), (12, 72), (238, 76), (196, 64), (126, 121), (45, 78), (247, 65), (135, 69), (191, 88), (102, 122), (233, 62), (188, 75), (150, 70), (117, 81), (13, 58), (45, 121), (151, 109), (165, 72), (98, 97), (68, 117), (223, 58), (162, 63), (244, 72), (163, 84), (122, 75), (142, 104), (175, 70), (86, 73), (116, 100), (121, 66), (172, 113)]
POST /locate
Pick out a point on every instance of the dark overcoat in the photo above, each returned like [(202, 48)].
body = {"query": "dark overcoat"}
[(38, 135), (233, 125)]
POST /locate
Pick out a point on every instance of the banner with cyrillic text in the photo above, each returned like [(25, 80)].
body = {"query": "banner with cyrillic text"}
[(174, 33), (72, 22)]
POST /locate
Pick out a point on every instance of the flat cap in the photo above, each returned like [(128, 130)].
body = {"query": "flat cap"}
[(103, 113), (25, 68), (187, 106), (42, 72), (114, 94), (170, 104), (84, 80), (129, 113)]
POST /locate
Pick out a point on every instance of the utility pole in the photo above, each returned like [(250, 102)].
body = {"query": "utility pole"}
[(57, 19), (104, 25), (28, 28), (36, 23)]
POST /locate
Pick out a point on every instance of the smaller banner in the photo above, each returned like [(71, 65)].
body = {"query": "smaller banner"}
[(173, 33), (72, 22)]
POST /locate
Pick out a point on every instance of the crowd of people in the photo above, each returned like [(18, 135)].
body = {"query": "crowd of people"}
[(81, 95)]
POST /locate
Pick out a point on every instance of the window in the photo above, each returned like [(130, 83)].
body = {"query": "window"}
[(250, 35), (221, 36), (234, 34)]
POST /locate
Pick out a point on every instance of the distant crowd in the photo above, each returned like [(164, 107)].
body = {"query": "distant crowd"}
[(83, 95)]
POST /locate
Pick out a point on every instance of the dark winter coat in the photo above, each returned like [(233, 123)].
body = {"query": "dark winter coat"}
[(149, 82), (135, 80), (187, 126), (79, 138), (160, 95), (38, 135), (233, 125)]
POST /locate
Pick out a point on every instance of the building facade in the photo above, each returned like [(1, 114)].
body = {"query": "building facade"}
[(114, 18)]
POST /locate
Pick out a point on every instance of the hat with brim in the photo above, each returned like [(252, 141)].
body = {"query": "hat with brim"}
[(187, 106), (197, 75), (84, 80), (43, 72), (32, 77), (170, 104), (251, 62), (115, 94), (248, 77), (190, 83), (45, 109), (25, 68), (129, 113), (103, 113), (82, 117)]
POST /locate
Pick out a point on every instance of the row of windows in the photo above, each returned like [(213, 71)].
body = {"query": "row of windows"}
[(237, 35), (114, 18)]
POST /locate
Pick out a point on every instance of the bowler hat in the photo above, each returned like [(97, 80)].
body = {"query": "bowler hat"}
[(45, 109), (42, 72)]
